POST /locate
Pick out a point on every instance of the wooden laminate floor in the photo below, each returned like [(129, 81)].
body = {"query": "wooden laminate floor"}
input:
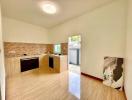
[(44, 84)]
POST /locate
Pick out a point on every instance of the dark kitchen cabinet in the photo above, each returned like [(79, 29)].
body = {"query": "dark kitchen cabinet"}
[(29, 63), (51, 62)]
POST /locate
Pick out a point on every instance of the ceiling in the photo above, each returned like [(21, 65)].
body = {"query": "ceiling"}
[(29, 11)]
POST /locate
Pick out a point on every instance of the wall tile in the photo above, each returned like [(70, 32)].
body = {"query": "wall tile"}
[(15, 49)]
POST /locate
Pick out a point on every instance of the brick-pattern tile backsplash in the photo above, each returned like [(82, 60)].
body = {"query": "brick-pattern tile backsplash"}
[(64, 48), (50, 48), (15, 49)]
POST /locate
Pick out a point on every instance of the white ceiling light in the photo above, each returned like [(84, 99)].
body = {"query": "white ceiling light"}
[(48, 7)]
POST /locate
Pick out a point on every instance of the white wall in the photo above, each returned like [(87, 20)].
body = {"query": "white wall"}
[(102, 31), (128, 67), (2, 70), (103, 34), (19, 31)]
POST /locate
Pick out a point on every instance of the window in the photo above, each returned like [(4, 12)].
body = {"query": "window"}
[(76, 38), (57, 48)]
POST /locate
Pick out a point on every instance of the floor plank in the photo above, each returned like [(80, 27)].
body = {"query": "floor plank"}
[(44, 84)]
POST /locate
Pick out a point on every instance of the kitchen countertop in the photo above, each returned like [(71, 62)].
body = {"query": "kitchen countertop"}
[(29, 56)]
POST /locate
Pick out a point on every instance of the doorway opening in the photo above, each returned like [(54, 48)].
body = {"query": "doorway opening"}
[(74, 61), (74, 53)]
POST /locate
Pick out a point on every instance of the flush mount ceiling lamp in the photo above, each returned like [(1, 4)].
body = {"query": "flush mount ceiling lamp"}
[(48, 7)]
